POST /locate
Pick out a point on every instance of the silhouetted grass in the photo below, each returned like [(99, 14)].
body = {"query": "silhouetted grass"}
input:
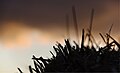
[(70, 58), (80, 59)]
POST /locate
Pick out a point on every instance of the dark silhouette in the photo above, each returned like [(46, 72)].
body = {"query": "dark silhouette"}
[(75, 23), (70, 58)]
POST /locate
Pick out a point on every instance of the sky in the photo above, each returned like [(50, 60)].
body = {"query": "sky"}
[(30, 27)]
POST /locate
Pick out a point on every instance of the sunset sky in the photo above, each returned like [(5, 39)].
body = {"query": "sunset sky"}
[(30, 27)]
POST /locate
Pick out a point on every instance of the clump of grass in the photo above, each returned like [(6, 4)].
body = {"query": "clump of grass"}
[(70, 58), (80, 59)]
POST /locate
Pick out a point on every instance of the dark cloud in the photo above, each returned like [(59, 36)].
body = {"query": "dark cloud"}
[(51, 13)]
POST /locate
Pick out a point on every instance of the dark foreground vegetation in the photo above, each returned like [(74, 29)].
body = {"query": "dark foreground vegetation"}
[(70, 58), (90, 58)]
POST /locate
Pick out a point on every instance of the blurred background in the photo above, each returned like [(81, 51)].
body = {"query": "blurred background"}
[(30, 27)]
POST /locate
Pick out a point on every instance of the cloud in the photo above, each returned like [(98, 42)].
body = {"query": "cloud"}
[(48, 17), (45, 13), (15, 34)]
